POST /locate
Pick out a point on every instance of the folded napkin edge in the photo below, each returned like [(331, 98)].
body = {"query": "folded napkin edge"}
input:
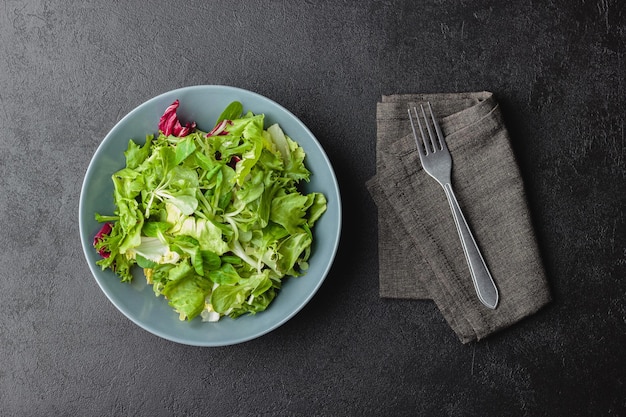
[(449, 96)]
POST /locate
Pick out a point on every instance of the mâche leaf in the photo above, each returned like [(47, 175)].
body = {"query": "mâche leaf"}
[(232, 111)]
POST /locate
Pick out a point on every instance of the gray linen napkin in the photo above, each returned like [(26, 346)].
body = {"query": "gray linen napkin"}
[(420, 254)]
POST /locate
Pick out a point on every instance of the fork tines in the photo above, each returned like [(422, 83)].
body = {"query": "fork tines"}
[(434, 143)]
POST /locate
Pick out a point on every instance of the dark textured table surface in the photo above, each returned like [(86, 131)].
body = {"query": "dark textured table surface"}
[(70, 70)]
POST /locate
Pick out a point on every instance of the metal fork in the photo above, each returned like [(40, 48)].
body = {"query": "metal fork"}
[(437, 162)]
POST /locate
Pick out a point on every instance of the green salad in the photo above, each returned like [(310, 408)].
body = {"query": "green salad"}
[(216, 219)]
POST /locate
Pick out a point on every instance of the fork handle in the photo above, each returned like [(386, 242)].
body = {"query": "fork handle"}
[(481, 277)]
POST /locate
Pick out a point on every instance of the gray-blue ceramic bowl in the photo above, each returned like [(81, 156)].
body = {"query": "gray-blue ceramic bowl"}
[(136, 300)]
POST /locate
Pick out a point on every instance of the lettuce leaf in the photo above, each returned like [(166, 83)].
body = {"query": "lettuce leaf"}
[(216, 220)]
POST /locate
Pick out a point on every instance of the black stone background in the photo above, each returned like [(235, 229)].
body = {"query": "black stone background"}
[(70, 70)]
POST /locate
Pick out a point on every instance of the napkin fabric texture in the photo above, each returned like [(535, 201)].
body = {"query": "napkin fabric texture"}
[(420, 253)]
